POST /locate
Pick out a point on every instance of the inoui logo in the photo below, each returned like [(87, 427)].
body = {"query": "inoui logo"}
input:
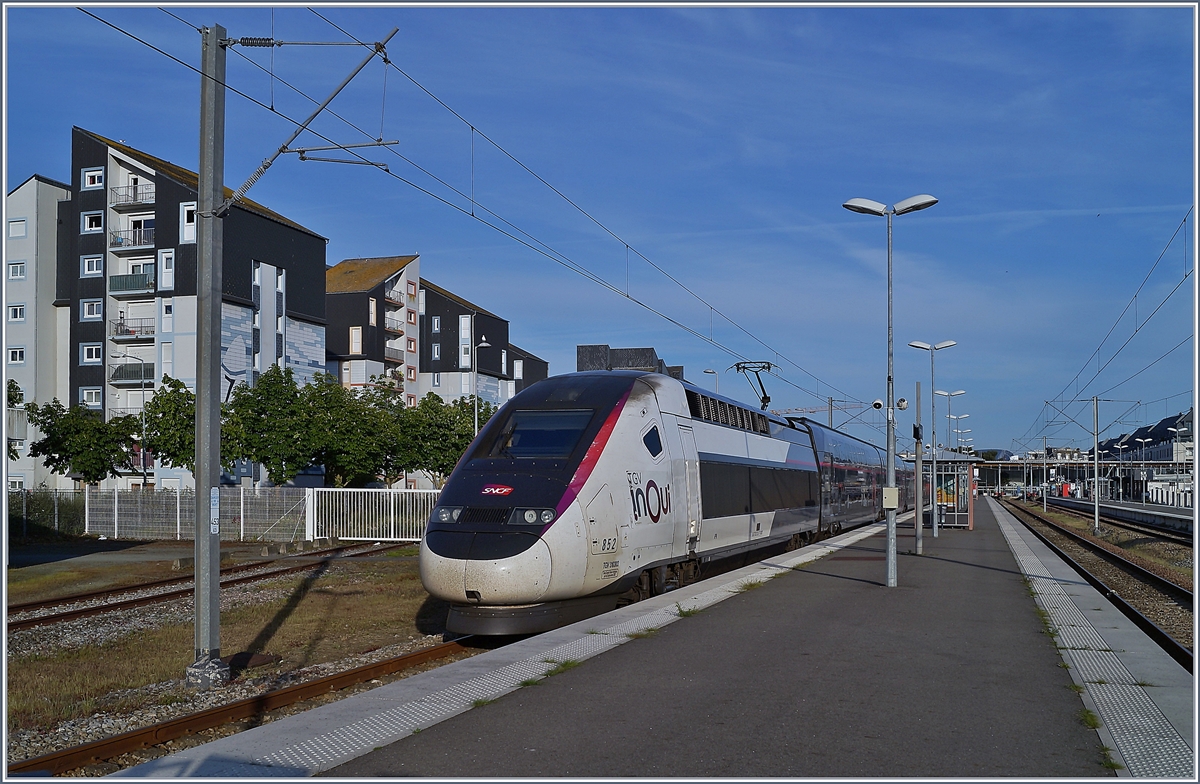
[(496, 490), (653, 501)]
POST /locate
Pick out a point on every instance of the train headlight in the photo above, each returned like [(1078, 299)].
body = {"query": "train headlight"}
[(547, 516), (446, 514), (531, 516)]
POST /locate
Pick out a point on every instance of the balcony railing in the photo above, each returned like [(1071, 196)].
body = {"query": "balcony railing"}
[(131, 238), (113, 413), (393, 325), (131, 372), (130, 284), (393, 354), (133, 194), (394, 295), (131, 329)]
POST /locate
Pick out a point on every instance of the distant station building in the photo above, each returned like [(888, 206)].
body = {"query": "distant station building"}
[(602, 357)]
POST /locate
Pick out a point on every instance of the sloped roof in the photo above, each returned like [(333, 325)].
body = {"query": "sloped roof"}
[(189, 179), (351, 275), (459, 300), (40, 178)]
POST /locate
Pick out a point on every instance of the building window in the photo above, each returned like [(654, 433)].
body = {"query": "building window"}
[(437, 379), (91, 354), (16, 229), (90, 396), (504, 362), (411, 345), (16, 270), (256, 275), (91, 179), (187, 222), (435, 324), (16, 483), (412, 288), (412, 401), (518, 368), (91, 266), (91, 222), (16, 312), (279, 279), (91, 309), (356, 340), (412, 317), (435, 351), (371, 311), (411, 373), (168, 359), (16, 355), (464, 361), (166, 266)]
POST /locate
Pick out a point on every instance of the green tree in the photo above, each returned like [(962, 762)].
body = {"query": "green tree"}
[(266, 424), (15, 397), (443, 432), (171, 424), (79, 441), (348, 435), (386, 396)]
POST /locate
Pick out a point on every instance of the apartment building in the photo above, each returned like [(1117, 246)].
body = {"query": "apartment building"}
[(125, 288), (31, 320)]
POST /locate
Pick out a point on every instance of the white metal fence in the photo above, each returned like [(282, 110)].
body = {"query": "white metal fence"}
[(275, 514)]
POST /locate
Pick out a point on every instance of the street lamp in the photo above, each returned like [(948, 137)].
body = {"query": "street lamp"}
[(1120, 472), (475, 369), (1145, 482), (933, 428), (716, 379), (868, 207), (142, 449), (948, 396)]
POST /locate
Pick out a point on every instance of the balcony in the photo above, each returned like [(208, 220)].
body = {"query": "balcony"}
[(113, 413), (129, 330), (132, 196), (393, 325), (131, 373), (393, 354), (130, 240), (125, 286), (394, 295)]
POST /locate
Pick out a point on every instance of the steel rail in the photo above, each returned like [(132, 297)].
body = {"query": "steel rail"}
[(1162, 532), (1169, 644), (166, 596), (108, 748), (121, 589)]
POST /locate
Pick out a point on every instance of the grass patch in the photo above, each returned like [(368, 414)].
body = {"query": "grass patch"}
[(1089, 719), (685, 612), (1144, 684), (750, 585), (1064, 665), (531, 681), (1075, 687), (403, 552), (481, 702), (563, 666), (1107, 760), (643, 634), (350, 608)]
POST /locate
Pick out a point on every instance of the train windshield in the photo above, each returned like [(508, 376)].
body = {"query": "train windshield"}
[(540, 433)]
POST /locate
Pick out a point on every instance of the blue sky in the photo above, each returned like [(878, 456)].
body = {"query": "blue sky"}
[(720, 143)]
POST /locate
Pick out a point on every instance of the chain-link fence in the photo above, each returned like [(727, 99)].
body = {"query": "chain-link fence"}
[(275, 514)]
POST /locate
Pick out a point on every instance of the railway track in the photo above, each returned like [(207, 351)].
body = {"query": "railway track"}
[(97, 602), (1162, 608), (1166, 534), (157, 734)]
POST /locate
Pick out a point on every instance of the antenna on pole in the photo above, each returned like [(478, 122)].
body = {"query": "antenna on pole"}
[(746, 368)]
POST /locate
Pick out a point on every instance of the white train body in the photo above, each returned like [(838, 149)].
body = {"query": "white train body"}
[(592, 487)]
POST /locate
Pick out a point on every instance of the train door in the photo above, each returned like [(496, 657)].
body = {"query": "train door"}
[(601, 517), (691, 485)]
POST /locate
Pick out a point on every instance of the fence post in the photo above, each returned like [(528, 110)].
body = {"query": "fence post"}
[(56, 510), (116, 510), (87, 510), (178, 526), (24, 513), (242, 513), (310, 513)]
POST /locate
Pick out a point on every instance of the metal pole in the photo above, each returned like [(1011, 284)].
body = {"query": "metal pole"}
[(933, 489), (208, 670), (1045, 475), (1096, 465), (890, 488), (474, 374), (830, 413), (919, 517)]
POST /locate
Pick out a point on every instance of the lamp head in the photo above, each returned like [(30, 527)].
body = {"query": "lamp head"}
[(866, 207), (914, 203), (945, 344), (920, 345)]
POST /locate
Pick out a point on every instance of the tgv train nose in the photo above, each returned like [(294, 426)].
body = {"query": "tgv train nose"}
[(485, 567)]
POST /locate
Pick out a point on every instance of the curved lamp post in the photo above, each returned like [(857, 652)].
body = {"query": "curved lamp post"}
[(933, 429), (716, 379), (949, 396), (869, 207), (1145, 481)]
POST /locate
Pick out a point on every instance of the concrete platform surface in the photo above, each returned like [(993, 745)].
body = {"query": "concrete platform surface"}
[(821, 672)]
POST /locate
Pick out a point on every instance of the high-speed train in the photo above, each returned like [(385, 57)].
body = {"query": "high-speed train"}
[(594, 488)]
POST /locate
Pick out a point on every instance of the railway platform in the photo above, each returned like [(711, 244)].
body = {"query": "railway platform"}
[(989, 659)]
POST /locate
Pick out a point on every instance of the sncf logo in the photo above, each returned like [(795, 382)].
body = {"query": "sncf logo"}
[(496, 490)]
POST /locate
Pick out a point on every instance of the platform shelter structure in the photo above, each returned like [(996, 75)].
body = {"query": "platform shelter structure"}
[(955, 487)]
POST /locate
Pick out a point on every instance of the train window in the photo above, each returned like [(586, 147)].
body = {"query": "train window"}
[(541, 434), (653, 441)]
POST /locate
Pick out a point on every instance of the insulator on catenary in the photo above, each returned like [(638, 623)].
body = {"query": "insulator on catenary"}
[(256, 41)]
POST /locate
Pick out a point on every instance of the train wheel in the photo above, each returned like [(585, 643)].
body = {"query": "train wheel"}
[(658, 581)]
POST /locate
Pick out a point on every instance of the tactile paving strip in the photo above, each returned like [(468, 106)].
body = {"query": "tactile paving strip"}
[(1146, 741)]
